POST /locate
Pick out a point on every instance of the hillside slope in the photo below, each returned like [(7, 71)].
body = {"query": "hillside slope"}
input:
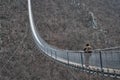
[(20, 59), (70, 24)]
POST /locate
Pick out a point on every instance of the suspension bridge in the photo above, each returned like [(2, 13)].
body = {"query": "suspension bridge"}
[(101, 61)]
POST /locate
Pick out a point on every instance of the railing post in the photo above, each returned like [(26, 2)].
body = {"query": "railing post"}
[(55, 55), (115, 74), (51, 52), (82, 60), (68, 58), (101, 64), (47, 51)]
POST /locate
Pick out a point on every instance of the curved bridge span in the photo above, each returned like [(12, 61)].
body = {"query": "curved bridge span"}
[(106, 61)]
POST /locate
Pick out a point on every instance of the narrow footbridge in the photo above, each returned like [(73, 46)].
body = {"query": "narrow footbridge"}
[(104, 62)]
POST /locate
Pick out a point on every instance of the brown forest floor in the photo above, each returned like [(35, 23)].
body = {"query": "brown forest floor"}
[(66, 23)]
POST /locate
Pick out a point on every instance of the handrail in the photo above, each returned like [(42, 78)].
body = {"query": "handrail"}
[(106, 49), (80, 59)]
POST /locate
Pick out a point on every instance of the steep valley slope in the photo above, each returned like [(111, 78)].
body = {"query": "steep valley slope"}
[(20, 58)]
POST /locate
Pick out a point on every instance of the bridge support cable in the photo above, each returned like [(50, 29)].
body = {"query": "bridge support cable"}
[(82, 60), (101, 65)]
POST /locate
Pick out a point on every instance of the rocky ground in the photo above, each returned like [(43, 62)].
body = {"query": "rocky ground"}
[(20, 59)]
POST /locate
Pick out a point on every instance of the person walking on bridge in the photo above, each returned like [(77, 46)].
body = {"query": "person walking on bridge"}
[(87, 54), (88, 48)]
